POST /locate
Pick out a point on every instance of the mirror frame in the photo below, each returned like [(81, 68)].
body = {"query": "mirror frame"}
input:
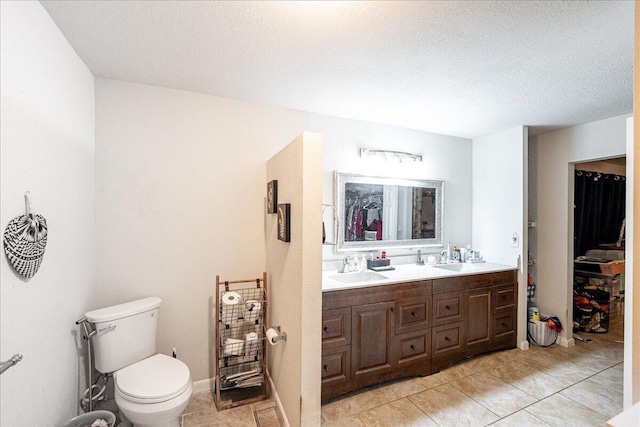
[(340, 179)]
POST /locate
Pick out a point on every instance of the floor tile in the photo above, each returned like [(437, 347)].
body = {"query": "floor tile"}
[(200, 402), (398, 390), (521, 418), (241, 416), (479, 364), (612, 378), (351, 405), (448, 406), (353, 421), (530, 380), (560, 411), (565, 371), (432, 381), (398, 413), (494, 394), (596, 396)]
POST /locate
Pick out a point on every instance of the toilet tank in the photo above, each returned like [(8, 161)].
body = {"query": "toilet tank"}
[(125, 333)]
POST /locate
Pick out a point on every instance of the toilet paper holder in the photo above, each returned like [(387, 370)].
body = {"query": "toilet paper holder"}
[(282, 336)]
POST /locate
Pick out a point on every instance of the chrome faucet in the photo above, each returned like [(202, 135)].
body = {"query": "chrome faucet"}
[(444, 256), (345, 261), (419, 260)]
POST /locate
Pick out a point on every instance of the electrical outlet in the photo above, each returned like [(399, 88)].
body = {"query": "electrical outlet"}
[(515, 241)]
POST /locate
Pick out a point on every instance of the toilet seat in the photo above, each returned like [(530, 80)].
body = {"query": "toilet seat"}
[(155, 379)]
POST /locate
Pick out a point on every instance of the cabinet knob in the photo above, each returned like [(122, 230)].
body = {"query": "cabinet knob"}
[(326, 329), (326, 368), (504, 325), (447, 307), (447, 339), (393, 309), (413, 347), (413, 314)]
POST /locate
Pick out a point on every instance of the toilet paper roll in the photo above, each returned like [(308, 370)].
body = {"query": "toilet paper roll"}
[(251, 310), (271, 334), (231, 298), (251, 344)]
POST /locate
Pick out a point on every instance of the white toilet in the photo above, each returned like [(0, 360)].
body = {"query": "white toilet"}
[(150, 389)]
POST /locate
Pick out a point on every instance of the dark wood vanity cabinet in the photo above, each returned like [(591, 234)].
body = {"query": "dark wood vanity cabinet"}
[(477, 314), (379, 333), (389, 335)]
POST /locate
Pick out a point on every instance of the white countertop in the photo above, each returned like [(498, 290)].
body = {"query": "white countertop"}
[(334, 281)]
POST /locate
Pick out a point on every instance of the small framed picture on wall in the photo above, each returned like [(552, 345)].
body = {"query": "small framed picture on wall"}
[(272, 196), (284, 222)]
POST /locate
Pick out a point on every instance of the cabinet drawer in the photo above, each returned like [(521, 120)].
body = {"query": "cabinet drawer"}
[(448, 308), (447, 338), (504, 325), (412, 314), (336, 327), (413, 346), (336, 365), (505, 297)]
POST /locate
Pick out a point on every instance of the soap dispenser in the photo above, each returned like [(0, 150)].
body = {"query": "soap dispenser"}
[(363, 263)]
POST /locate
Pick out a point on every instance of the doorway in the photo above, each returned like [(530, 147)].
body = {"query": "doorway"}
[(599, 250)]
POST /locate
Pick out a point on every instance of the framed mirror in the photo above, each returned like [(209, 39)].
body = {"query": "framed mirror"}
[(384, 213)]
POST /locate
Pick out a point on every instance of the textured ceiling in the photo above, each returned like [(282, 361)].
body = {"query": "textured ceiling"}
[(464, 68)]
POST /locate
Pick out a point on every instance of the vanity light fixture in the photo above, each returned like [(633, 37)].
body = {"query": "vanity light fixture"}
[(400, 155)]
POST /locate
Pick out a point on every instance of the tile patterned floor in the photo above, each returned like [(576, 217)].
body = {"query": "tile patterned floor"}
[(554, 386)]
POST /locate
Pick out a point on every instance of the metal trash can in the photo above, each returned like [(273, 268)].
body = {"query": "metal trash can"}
[(86, 419)]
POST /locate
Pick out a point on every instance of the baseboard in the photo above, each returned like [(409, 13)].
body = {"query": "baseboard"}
[(566, 342), (201, 386), (276, 398), (524, 345)]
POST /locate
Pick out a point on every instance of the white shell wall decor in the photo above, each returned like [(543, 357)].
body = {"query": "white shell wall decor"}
[(25, 239)]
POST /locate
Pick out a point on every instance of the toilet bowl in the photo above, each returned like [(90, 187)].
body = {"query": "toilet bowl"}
[(150, 389), (153, 391)]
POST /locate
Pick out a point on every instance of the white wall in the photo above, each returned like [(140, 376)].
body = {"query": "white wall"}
[(557, 152), (632, 296), (444, 157), (295, 278), (47, 147), (500, 205), (180, 181)]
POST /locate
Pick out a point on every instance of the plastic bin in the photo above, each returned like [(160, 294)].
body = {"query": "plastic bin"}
[(541, 334), (86, 419)]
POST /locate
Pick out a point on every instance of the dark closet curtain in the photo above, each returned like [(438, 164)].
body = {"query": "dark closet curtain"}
[(599, 209)]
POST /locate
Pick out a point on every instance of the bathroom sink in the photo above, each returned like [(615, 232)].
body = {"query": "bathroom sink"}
[(460, 267), (362, 276)]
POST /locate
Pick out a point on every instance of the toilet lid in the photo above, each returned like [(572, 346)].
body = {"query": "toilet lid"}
[(156, 378)]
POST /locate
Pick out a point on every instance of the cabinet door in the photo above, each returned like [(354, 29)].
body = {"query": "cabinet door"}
[(448, 308), (412, 314), (336, 327), (371, 333), (335, 366), (478, 316)]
